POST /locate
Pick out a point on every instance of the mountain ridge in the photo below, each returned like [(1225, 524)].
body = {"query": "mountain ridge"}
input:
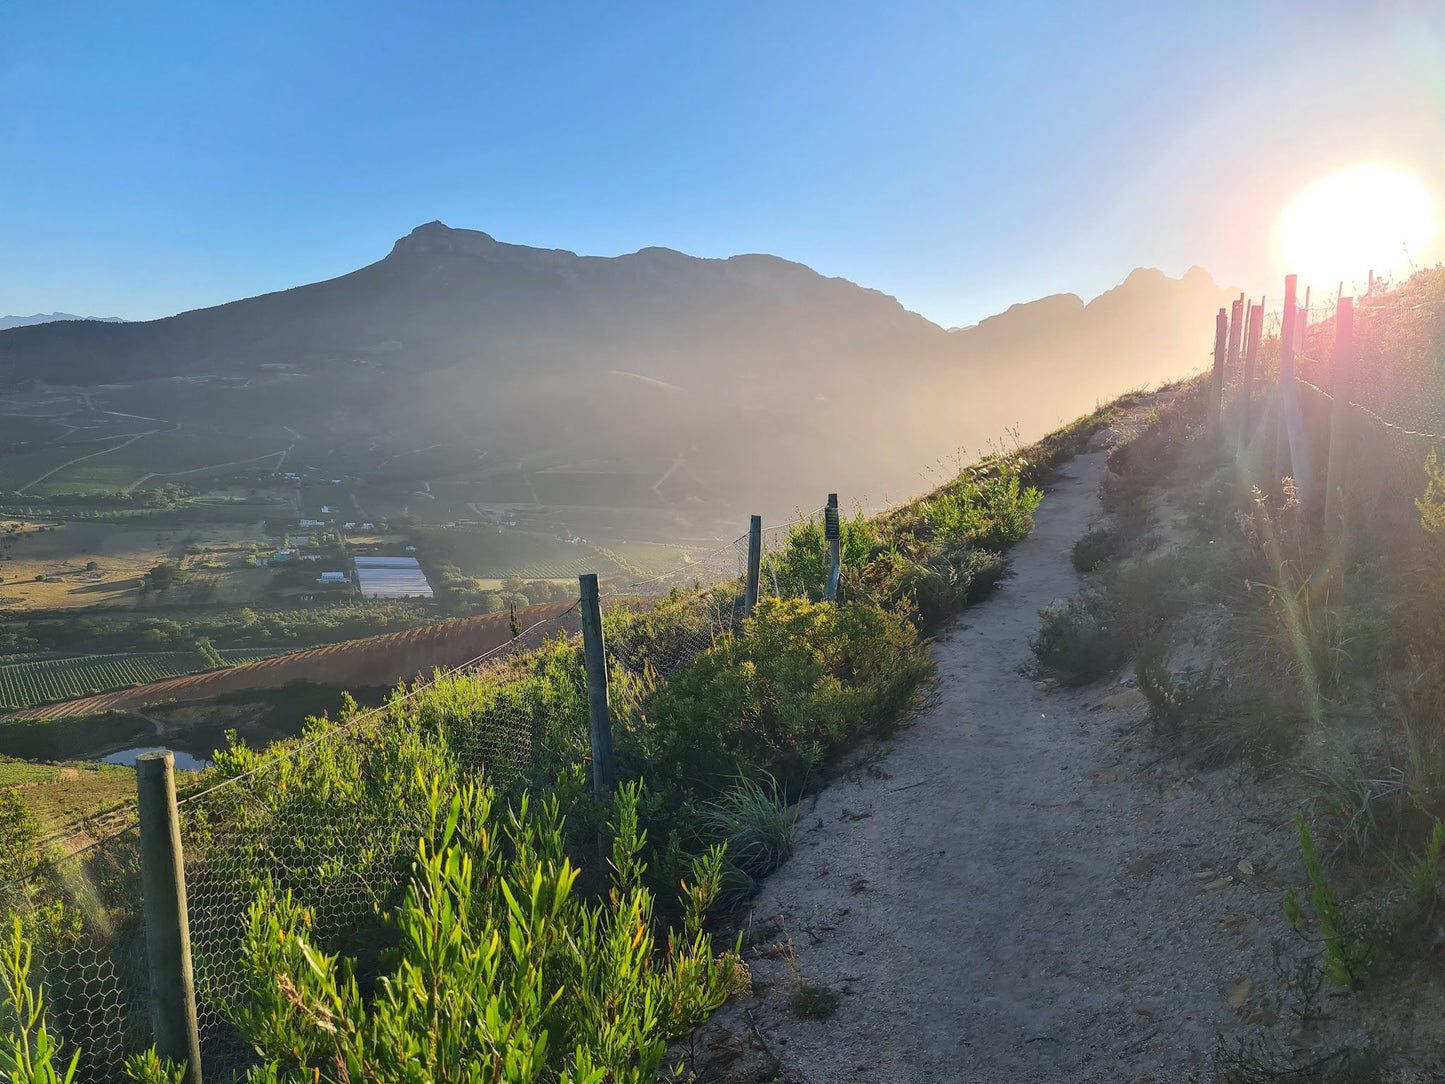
[(8, 322), (774, 375)]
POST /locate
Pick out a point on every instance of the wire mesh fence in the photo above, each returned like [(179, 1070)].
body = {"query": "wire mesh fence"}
[(334, 817), (81, 915), (1368, 378)]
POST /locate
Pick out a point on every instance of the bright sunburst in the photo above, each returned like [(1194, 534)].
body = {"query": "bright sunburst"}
[(1366, 218)]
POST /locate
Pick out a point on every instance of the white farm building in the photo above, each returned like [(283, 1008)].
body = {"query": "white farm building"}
[(391, 577)]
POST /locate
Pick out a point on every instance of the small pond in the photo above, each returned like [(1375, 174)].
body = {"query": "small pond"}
[(184, 761)]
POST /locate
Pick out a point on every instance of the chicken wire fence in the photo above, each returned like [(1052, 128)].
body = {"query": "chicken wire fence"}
[(80, 914), (332, 820)]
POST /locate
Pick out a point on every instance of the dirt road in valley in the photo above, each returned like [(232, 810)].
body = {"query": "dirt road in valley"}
[(1021, 887)]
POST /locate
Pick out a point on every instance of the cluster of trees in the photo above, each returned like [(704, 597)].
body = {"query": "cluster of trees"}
[(164, 496), (462, 595), (239, 628)]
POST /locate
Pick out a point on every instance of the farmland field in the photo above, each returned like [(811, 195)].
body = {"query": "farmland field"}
[(43, 565), (25, 683)]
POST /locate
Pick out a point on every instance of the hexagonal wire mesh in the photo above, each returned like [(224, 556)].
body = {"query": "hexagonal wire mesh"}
[(345, 848), (336, 818), (1394, 385), (82, 915)]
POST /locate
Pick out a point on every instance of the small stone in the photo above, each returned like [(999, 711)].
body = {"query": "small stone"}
[(1122, 700), (1239, 991)]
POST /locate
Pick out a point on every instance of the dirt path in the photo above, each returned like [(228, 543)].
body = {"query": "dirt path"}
[(1020, 889)]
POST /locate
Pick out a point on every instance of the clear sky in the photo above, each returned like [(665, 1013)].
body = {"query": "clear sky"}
[(156, 157)]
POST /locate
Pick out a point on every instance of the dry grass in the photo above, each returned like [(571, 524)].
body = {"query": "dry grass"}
[(59, 551)]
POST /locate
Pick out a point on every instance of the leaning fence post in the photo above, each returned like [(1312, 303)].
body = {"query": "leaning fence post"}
[(1251, 351), (599, 711), (755, 563), (833, 532), (1236, 338), (168, 930), (1221, 336), (1341, 391)]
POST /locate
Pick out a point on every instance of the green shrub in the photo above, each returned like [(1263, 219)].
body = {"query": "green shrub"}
[(800, 567), (1347, 958), (1094, 548), (799, 680), (29, 1053), (502, 972), (995, 512), (752, 821), (1425, 871), (1075, 640), (1172, 702)]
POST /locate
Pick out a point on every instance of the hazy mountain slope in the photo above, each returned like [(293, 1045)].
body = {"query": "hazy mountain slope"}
[(755, 374), (7, 322)]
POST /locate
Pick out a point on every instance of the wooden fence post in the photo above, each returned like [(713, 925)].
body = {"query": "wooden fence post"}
[(167, 922), (1341, 389), (1236, 338), (1221, 338), (755, 563), (1294, 430), (599, 710), (832, 531), (1251, 351)]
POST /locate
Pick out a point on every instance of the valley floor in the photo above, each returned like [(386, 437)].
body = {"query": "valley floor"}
[(1022, 887)]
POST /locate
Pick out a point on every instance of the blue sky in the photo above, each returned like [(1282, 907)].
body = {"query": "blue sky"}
[(157, 157)]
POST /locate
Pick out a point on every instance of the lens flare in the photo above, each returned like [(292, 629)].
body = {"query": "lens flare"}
[(1370, 218)]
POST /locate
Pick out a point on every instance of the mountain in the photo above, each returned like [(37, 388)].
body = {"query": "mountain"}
[(742, 376), (7, 322)]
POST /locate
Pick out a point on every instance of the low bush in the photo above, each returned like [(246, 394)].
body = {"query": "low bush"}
[(994, 512), (1076, 641), (752, 821), (502, 971), (1347, 957), (797, 682), (1094, 548)]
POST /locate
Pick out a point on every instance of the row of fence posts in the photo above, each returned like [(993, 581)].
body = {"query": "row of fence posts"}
[(163, 871), (1240, 328)]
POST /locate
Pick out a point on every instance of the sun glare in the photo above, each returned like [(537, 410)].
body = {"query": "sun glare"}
[(1361, 220), (1371, 218)]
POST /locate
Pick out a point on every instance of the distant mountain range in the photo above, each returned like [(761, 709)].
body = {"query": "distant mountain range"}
[(7, 322), (748, 375)]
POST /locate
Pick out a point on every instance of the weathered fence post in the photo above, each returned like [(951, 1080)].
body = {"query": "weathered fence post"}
[(599, 710), (832, 531), (755, 563), (168, 928), (1299, 452), (1341, 390), (1221, 337), (1251, 350), (1236, 338)]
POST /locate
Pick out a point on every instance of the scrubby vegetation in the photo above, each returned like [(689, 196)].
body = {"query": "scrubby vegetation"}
[(1296, 633), (409, 890)]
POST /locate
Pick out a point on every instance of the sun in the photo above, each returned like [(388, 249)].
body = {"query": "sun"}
[(1370, 218)]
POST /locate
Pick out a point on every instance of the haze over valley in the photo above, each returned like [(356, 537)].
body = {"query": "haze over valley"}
[(677, 393)]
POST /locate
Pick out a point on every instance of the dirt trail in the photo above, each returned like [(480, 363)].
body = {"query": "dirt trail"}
[(1021, 889)]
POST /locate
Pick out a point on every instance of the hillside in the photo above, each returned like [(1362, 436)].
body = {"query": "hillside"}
[(704, 378), (8, 322)]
